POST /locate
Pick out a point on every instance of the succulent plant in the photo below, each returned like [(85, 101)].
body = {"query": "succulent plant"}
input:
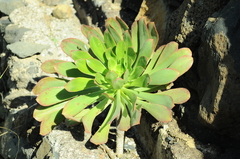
[(119, 71)]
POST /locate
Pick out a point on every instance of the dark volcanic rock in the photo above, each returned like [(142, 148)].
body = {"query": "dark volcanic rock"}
[(219, 70)]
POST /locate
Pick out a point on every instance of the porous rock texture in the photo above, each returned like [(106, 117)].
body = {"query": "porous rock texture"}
[(31, 32), (205, 127), (30, 35), (210, 28)]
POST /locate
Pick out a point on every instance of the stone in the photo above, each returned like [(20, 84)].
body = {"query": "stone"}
[(63, 11), (4, 22), (25, 49), (14, 33), (219, 70), (63, 142), (53, 2), (7, 6)]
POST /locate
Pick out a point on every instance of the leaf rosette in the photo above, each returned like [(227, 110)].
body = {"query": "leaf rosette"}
[(119, 70)]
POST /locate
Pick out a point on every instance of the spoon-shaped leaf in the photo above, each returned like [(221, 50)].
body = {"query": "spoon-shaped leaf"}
[(81, 64), (142, 32), (159, 112), (70, 44), (91, 115), (168, 50), (118, 83), (76, 105), (114, 23), (48, 66), (152, 33), (182, 64), (89, 31), (68, 69), (48, 82), (49, 117), (161, 99), (141, 81), (96, 65), (125, 120), (76, 119), (114, 34), (54, 95), (98, 48), (179, 95), (80, 83), (109, 41), (123, 25), (173, 57), (101, 136), (163, 76), (78, 54)]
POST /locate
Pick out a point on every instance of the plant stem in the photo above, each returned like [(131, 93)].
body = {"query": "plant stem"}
[(119, 143)]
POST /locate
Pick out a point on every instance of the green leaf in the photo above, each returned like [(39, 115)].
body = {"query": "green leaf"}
[(129, 100), (109, 54), (89, 31), (109, 41), (68, 69), (78, 54), (159, 112), (49, 117), (153, 59), (131, 56), (163, 76), (179, 95), (114, 34), (54, 95), (173, 57), (168, 50), (123, 25), (131, 95), (118, 83), (156, 98), (78, 117), (125, 120), (96, 65), (112, 64), (142, 32), (114, 23), (182, 64), (91, 115), (120, 50), (127, 38), (48, 82), (152, 33), (80, 83), (142, 61), (135, 38), (114, 109), (48, 66), (76, 105), (136, 72), (83, 67), (141, 81), (111, 76), (98, 48), (146, 49), (70, 44), (99, 78), (101, 136)]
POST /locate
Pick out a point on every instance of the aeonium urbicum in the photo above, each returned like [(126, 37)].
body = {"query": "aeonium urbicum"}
[(121, 70)]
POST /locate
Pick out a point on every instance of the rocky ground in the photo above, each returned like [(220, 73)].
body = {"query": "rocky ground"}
[(31, 33), (205, 127)]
